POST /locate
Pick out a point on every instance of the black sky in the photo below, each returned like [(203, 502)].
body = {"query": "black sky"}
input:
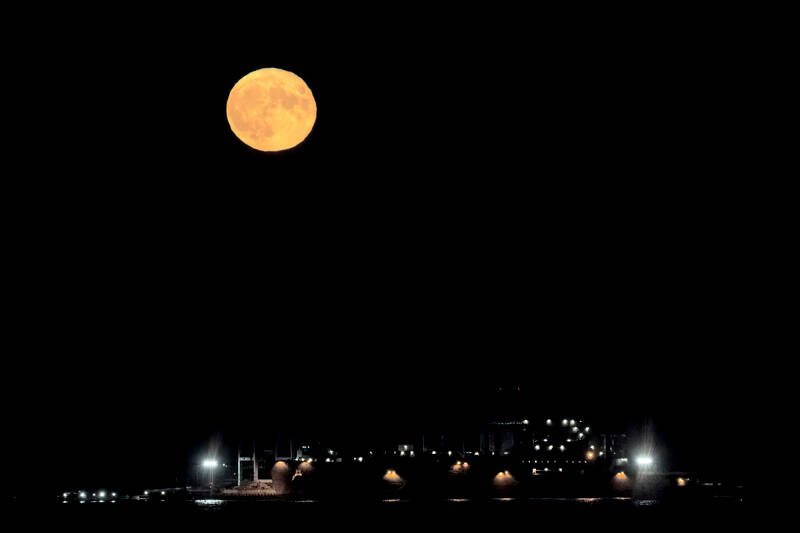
[(479, 202)]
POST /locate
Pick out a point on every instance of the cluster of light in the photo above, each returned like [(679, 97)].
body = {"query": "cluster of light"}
[(502, 475), (210, 463), (644, 460), (621, 476), (460, 466), (391, 475)]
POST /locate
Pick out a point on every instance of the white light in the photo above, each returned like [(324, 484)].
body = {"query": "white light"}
[(575, 429), (146, 492), (449, 452), (564, 422), (572, 422), (561, 447), (433, 452), (83, 495), (114, 494), (66, 494), (549, 422), (580, 435), (102, 494), (586, 429), (525, 421), (162, 492), (536, 447), (550, 447), (210, 463), (644, 461)]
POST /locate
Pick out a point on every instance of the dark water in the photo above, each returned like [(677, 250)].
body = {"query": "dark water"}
[(569, 514)]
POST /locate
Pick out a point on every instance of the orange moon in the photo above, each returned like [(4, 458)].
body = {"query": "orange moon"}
[(271, 110)]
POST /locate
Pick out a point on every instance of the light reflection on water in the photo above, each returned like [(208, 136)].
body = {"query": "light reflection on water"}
[(209, 502)]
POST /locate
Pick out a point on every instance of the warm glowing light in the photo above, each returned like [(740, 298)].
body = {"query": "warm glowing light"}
[(590, 455), (465, 464), (391, 475), (271, 109), (681, 482), (621, 476), (500, 475)]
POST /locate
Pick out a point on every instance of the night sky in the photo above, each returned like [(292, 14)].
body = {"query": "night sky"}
[(476, 205)]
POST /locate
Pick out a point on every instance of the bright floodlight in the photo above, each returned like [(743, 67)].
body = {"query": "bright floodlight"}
[(210, 463), (102, 494), (644, 460)]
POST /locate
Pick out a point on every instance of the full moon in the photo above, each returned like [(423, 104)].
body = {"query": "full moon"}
[(271, 110)]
